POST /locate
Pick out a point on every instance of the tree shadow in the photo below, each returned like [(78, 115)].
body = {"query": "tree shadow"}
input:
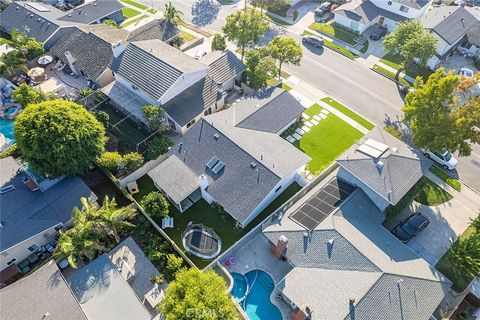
[(271, 33), (205, 12)]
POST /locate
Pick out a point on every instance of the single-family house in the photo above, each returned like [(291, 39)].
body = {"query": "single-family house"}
[(46, 23), (103, 293), (344, 264), (43, 294), (33, 210), (454, 27), (359, 15), (153, 72), (89, 50), (236, 157), (384, 167)]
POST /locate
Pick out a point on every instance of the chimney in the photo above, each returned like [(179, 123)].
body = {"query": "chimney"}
[(281, 246), (203, 182), (117, 48), (71, 61)]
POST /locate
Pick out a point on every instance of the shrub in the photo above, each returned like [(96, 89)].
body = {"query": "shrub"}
[(155, 204), (132, 161), (103, 117), (174, 264), (110, 160), (157, 147), (158, 279), (11, 151), (393, 131)]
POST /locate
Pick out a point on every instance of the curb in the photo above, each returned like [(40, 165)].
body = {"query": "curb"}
[(393, 80)]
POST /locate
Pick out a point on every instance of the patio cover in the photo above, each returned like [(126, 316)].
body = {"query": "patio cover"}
[(126, 99), (175, 179)]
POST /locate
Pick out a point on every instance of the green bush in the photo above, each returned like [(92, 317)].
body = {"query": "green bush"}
[(110, 160), (157, 147), (103, 117), (155, 204), (158, 279), (132, 161), (11, 151), (174, 264), (393, 131)]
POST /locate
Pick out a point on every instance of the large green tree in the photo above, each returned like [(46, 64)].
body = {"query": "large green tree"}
[(10, 62), (197, 295), (218, 42), (438, 119), (113, 219), (260, 67), (464, 256), (245, 28), (411, 41), (285, 50), (22, 41), (172, 14), (155, 204), (59, 138), (25, 95), (155, 117)]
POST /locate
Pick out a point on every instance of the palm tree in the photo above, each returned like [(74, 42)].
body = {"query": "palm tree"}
[(464, 255), (113, 219), (171, 14), (75, 244), (10, 61)]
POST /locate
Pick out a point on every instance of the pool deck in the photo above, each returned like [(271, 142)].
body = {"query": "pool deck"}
[(255, 254)]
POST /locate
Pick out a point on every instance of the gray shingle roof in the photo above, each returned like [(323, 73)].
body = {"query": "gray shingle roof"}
[(365, 12), (273, 116), (92, 54), (104, 294), (92, 11), (448, 24), (193, 101), (401, 169), (416, 4), (43, 291), (327, 284), (237, 178), (157, 29), (26, 213), (154, 66), (223, 66)]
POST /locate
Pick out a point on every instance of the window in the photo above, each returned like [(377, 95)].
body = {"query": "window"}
[(354, 25), (278, 189), (190, 123), (404, 9), (33, 247), (389, 3), (134, 87), (11, 261)]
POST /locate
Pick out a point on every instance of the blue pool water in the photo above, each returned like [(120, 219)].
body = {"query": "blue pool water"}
[(6, 128), (240, 286), (257, 303), (11, 110)]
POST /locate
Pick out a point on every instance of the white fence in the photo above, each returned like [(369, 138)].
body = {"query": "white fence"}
[(137, 174)]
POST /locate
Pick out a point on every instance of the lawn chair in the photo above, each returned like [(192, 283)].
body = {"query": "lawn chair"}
[(167, 222)]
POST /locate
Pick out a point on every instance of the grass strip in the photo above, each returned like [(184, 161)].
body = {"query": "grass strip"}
[(390, 75), (349, 113), (452, 182)]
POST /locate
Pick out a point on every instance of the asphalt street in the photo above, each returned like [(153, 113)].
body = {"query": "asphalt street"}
[(345, 80)]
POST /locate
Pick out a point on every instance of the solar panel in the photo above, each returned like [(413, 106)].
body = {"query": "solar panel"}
[(212, 162), (376, 145), (219, 166), (322, 203), (37, 7), (369, 151)]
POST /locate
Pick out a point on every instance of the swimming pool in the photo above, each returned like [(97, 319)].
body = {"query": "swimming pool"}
[(6, 128), (257, 303)]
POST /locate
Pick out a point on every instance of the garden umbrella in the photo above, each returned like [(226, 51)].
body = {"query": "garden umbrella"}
[(44, 60), (36, 74)]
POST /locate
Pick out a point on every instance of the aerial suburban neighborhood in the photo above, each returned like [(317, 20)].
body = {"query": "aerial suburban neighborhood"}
[(240, 159)]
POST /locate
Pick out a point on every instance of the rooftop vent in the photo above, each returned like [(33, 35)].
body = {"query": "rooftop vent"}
[(216, 136), (7, 188), (352, 300), (212, 162), (379, 165), (394, 149), (253, 165), (218, 167)]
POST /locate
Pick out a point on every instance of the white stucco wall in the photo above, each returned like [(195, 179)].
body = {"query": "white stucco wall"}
[(138, 92), (394, 7), (379, 201), (105, 78), (344, 21), (20, 251)]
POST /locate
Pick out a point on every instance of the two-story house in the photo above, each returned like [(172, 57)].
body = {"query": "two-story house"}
[(359, 15)]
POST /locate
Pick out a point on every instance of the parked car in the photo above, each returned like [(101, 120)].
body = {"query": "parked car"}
[(410, 227), (378, 33), (323, 8), (315, 41), (468, 73), (445, 159), (199, 53)]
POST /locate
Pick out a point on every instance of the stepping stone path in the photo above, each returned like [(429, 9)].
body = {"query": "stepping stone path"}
[(299, 131), (316, 117), (290, 139), (315, 122), (305, 116), (305, 129), (325, 111), (297, 136), (323, 115), (309, 124)]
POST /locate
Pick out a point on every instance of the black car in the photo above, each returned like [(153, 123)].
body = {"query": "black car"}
[(378, 33), (313, 40), (411, 227)]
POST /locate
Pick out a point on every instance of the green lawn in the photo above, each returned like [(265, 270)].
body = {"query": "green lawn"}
[(334, 31), (424, 191), (129, 12), (391, 75), (325, 141), (349, 113), (285, 86), (460, 281), (133, 21), (394, 61), (202, 212), (187, 36), (135, 4), (277, 21), (452, 182)]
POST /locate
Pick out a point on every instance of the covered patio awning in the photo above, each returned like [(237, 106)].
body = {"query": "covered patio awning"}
[(175, 179), (126, 99)]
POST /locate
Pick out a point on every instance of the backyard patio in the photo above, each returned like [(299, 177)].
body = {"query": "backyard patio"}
[(203, 213), (321, 135)]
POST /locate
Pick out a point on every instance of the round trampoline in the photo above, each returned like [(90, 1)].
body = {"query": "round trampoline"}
[(201, 241)]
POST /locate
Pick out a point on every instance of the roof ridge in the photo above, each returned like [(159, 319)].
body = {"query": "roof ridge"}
[(262, 106), (134, 43), (419, 278)]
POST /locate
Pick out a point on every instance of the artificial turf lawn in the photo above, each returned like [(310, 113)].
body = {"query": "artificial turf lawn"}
[(325, 141), (187, 36), (431, 194), (135, 4), (413, 71), (202, 212), (132, 21), (349, 113), (129, 12), (391, 75), (452, 182)]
